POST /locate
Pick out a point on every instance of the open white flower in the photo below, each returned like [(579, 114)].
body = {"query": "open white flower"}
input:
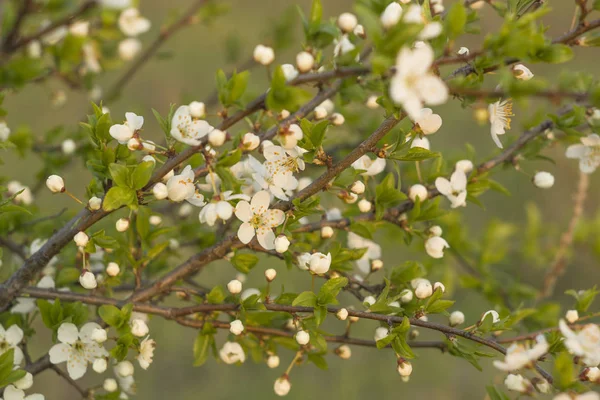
[(342, 46), (454, 189), (518, 356), (585, 343), (413, 84), (188, 130), (414, 15), (517, 383), (76, 348), (371, 167), (25, 197), (232, 352), (283, 163), (25, 305), (522, 72), (146, 352), (181, 187), (132, 23), (123, 132), (588, 153), (257, 219), (10, 339), (290, 139), (499, 114), (428, 121), (220, 209), (289, 72), (319, 263), (13, 393)]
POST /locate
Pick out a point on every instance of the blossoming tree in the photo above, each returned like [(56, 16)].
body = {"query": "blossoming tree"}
[(296, 178)]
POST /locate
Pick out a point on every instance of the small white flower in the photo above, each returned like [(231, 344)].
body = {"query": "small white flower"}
[(463, 51), (26, 382), (418, 191), (319, 263), (413, 84), (146, 352), (187, 129), (342, 46), (518, 356), (421, 142), (342, 314), (257, 219), (129, 48), (320, 112), (181, 187), (404, 368), (232, 353), (302, 337), (436, 230), (439, 285), (67, 146), (457, 318), (25, 197), (55, 183), (347, 22), (358, 187), (123, 132), (273, 361), (365, 205), (372, 102), (391, 15), (543, 180), (424, 290), (81, 239), (500, 114), (139, 328), (454, 189), (99, 365), (522, 72), (112, 269), (270, 274), (155, 220), (250, 141), (304, 61), (99, 335), (132, 23), (282, 243), (10, 339), (435, 245), (465, 166), (493, 313), (234, 286), (4, 131), (263, 55), (588, 153), (110, 385), (373, 251), (337, 119), (76, 348), (290, 138), (428, 121), (125, 368), (282, 386), (236, 327), (88, 280), (517, 383), (380, 333), (14, 393), (371, 167), (369, 301), (122, 224), (344, 352), (572, 316), (585, 343)]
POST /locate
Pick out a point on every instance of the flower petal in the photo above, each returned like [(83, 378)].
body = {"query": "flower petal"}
[(14, 335), (260, 201), (85, 333), (443, 186), (243, 211), (59, 353), (76, 366), (274, 218), (68, 333), (245, 233), (266, 238)]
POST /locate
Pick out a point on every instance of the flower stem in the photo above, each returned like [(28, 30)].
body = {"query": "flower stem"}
[(73, 197)]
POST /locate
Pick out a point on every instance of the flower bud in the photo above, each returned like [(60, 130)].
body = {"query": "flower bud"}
[(94, 203), (273, 361), (250, 141), (216, 137), (463, 51), (112, 269), (197, 109), (391, 15), (319, 263), (419, 191), (320, 112), (326, 232), (55, 183), (110, 385), (404, 367), (304, 61), (99, 335), (522, 72), (155, 220), (134, 144), (359, 31), (592, 374), (125, 368), (342, 314), (369, 301), (234, 286), (372, 102), (282, 244), (263, 55), (406, 296), (282, 386), (270, 274), (350, 198), (99, 365), (139, 328), (68, 146), (344, 352), (302, 337), (543, 180), (160, 191), (358, 187), (465, 166), (337, 119), (376, 265), (423, 290), (381, 333), (457, 318), (435, 245), (88, 280), (81, 239), (283, 114), (122, 224), (493, 313), (365, 205), (26, 382), (439, 285), (435, 230), (236, 327), (347, 22), (572, 316)]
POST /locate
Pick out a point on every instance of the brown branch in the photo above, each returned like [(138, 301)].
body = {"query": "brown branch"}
[(559, 263), (67, 378), (12, 35), (13, 247), (186, 19)]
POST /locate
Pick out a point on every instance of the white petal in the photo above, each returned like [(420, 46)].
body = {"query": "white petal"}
[(68, 333), (576, 151), (458, 181), (260, 202), (76, 366), (245, 233), (274, 218), (85, 334), (443, 186), (12, 393), (243, 211), (266, 238), (59, 353), (14, 335), (134, 121)]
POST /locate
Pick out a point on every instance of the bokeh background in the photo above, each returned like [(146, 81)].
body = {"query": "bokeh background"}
[(188, 74)]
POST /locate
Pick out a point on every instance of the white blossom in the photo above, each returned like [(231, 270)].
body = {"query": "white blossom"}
[(342, 46), (273, 361), (123, 132), (289, 72), (588, 153), (543, 180), (282, 243), (493, 313), (270, 274), (25, 196), (302, 337), (81, 239), (304, 61), (371, 167), (347, 22), (435, 245), (457, 318), (518, 356), (250, 141), (342, 314), (187, 129), (116, 4), (122, 224), (139, 328), (463, 51), (585, 343), (11, 392), (380, 333), (517, 383), (4, 131), (500, 114), (263, 55), (391, 15), (88, 280), (160, 191), (132, 23), (125, 368), (522, 72), (572, 316), (236, 327), (418, 191), (290, 138), (319, 263), (129, 48), (465, 166), (10, 339), (234, 286), (282, 386), (454, 189), (257, 219), (404, 368), (76, 348), (428, 122), (232, 353), (146, 354)]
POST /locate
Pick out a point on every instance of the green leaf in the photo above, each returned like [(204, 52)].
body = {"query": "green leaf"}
[(120, 174), (111, 315), (202, 346), (244, 262), (142, 174), (415, 154), (306, 299), (564, 371), (555, 54), (216, 296), (67, 276), (407, 272), (330, 290), (386, 195), (456, 19), (316, 12), (117, 197)]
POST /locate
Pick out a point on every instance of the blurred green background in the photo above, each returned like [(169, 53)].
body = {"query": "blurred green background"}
[(188, 74)]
